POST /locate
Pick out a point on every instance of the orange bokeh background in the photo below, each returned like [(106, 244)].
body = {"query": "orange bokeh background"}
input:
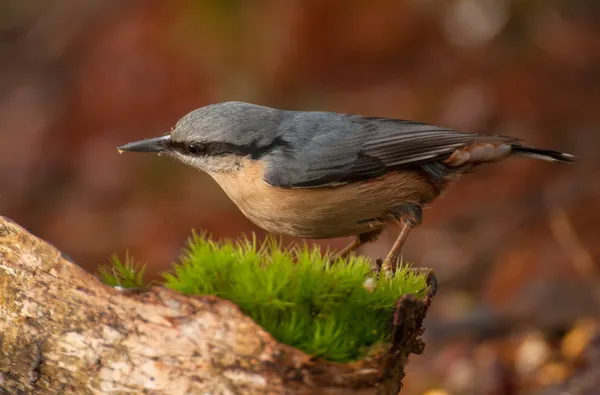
[(80, 77)]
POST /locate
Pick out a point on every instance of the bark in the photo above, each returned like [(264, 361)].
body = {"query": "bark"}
[(63, 331)]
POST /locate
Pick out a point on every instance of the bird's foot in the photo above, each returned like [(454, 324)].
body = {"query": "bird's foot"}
[(387, 268), (390, 270)]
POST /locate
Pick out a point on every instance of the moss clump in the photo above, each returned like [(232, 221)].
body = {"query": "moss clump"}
[(325, 310), (127, 275)]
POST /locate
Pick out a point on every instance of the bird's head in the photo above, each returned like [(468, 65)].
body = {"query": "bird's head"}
[(216, 138)]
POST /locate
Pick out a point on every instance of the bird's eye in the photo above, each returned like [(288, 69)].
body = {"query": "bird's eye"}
[(194, 149)]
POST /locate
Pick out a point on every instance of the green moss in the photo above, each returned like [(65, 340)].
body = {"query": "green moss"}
[(295, 294), (127, 275)]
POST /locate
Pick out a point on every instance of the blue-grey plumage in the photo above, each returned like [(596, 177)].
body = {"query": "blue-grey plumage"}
[(313, 149), (323, 174)]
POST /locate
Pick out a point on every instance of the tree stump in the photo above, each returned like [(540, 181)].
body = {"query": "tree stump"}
[(64, 332)]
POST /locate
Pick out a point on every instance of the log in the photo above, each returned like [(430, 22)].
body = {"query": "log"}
[(63, 331)]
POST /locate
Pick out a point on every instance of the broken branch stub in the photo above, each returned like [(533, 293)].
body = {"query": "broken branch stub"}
[(63, 331)]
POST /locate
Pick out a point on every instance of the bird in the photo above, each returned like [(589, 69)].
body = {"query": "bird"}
[(323, 175)]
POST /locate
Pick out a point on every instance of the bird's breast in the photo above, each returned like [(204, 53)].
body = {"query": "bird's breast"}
[(324, 212)]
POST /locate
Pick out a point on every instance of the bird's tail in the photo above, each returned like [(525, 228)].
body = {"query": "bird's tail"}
[(543, 154)]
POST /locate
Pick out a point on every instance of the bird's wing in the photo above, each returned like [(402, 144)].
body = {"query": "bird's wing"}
[(368, 147)]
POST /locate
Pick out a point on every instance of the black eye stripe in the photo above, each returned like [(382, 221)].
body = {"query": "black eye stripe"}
[(189, 148), (212, 149), (196, 148)]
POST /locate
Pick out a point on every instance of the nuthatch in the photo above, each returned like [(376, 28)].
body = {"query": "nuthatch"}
[(325, 175)]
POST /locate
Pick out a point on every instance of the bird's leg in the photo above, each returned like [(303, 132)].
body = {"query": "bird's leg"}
[(389, 263), (357, 242), (409, 216), (354, 244)]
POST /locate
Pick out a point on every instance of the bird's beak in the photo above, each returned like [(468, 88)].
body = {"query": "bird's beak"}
[(157, 144)]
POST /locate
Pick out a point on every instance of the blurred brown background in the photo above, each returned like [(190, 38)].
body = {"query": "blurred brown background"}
[(515, 245)]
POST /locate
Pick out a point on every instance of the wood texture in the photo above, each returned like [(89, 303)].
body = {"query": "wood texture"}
[(62, 331)]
